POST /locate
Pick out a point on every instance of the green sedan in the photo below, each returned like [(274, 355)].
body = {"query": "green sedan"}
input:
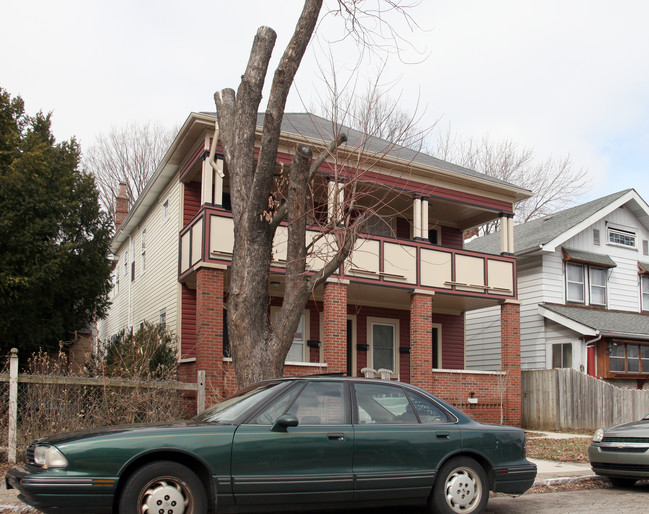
[(303, 443)]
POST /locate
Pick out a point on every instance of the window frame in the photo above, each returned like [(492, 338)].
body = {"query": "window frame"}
[(644, 292), (639, 357), (143, 250), (562, 354), (305, 317)]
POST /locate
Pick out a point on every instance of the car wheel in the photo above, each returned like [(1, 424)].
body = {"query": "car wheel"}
[(163, 486), (622, 482), (461, 487)]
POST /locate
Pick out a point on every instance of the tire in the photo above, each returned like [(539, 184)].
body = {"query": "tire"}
[(622, 482), (461, 487), (163, 485)]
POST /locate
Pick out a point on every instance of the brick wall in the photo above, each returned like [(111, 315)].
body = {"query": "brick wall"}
[(209, 329), (510, 351), (335, 327), (455, 387), (421, 336)]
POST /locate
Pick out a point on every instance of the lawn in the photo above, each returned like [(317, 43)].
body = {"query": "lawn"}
[(573, 449)]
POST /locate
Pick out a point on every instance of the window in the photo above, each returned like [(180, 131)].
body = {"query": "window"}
[(628, 358), (644, 285), (126, 264), (383, 343), (562, 355), (645, 247), (320, 403), (390, 405), (575, 282), (298, 348), (163, 317), (596, 236), (379, 226), (621, 237), (143, 250), (597, 286), (165, 210)]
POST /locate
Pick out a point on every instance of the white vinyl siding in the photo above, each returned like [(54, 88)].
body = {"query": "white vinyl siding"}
[(158, 288)]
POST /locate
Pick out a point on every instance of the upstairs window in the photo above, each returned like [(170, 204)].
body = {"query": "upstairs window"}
[(597, 286), (621, 238), (644, 291), (143, 250), (575, 283)]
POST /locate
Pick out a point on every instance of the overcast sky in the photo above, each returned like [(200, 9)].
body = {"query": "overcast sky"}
[(563, 77)]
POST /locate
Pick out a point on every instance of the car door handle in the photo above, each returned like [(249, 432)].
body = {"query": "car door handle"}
[(336, 437), (443, 435)]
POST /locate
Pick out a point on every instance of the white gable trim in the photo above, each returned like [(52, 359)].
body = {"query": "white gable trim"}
[(552, 245), (567, 322)]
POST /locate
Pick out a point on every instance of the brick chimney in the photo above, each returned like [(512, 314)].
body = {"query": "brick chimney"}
[(121, 205)]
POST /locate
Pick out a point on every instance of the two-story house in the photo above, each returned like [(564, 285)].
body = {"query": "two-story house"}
[(583, 284), (397, 304)]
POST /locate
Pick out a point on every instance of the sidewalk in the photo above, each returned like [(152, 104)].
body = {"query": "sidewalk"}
[(554, 472)]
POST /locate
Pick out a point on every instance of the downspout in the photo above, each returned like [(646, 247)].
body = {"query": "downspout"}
[(210, 159), (130, 281)]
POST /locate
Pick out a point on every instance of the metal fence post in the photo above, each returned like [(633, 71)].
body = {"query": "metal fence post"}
[(200, 392), (13, 406)]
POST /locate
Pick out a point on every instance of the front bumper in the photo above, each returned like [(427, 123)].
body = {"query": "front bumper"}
[(57, 491), (619, 460), (514, 479)]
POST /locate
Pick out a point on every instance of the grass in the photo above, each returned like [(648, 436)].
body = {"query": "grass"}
[(574, 449)]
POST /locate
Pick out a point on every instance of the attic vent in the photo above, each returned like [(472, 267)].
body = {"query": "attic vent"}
[(596, 236), (645, 247)]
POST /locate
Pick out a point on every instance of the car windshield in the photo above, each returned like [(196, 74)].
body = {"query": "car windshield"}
[(233, 407)]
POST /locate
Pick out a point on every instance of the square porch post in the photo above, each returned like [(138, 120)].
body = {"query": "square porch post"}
[(421, 340), (510, 360), (335, 326)]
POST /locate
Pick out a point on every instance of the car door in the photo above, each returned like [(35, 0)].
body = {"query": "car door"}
[(275, 463), (400, 438)]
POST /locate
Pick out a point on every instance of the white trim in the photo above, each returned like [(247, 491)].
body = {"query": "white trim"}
[(567, 322)]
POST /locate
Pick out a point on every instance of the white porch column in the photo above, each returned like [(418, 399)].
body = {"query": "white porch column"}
[(335, 200), (218, 183), (503, 233), (424, 218), (207, 184), (416, 218), (510, 234)]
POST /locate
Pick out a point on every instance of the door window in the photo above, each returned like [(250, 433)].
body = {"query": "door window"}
[(383, 344)]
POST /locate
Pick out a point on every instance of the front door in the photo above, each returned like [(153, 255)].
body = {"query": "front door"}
[(309, 463)]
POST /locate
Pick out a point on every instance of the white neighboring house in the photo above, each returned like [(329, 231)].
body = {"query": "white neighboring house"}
[(583, 284)]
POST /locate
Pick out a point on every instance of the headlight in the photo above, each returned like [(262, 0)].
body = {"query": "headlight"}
[(49, 457), (598, 435)]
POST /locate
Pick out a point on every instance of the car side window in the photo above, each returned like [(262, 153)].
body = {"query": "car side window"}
[(320, 403), (383, 404), (276, 408), (429, 412)]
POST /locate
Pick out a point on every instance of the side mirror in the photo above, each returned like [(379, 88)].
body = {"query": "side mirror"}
[(283, 422)]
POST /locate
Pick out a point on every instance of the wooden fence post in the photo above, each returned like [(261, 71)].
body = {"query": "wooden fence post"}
[(13, 406), (200, 391)]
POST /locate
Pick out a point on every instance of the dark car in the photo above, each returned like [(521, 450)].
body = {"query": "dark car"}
[(620, 453), (300, 443)]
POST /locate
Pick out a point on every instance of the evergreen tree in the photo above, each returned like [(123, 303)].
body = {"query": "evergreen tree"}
[(54, 239)]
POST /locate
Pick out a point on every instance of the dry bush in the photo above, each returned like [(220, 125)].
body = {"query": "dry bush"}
[(46, 408)]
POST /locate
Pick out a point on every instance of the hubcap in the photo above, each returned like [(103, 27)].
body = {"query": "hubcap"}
[(462, 490), (164, 497)]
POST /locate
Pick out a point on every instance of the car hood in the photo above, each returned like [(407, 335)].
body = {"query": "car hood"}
[(139, 428), (633, 429)]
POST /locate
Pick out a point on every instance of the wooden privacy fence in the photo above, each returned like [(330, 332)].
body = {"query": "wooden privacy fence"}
[(13, 378), (569, 400)]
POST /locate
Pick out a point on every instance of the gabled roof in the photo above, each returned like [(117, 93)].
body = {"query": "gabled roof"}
[(549, 232), (595, 322)]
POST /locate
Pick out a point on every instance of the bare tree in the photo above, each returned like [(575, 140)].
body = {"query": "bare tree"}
[(127, 154), (259, 348), (556, 183)]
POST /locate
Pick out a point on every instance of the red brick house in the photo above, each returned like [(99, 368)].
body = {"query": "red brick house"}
[(397, 304)]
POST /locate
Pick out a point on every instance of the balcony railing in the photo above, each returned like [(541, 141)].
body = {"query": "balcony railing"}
[(209, 238)]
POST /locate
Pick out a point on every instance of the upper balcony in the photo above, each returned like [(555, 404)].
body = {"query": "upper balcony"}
[(381, 261)]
